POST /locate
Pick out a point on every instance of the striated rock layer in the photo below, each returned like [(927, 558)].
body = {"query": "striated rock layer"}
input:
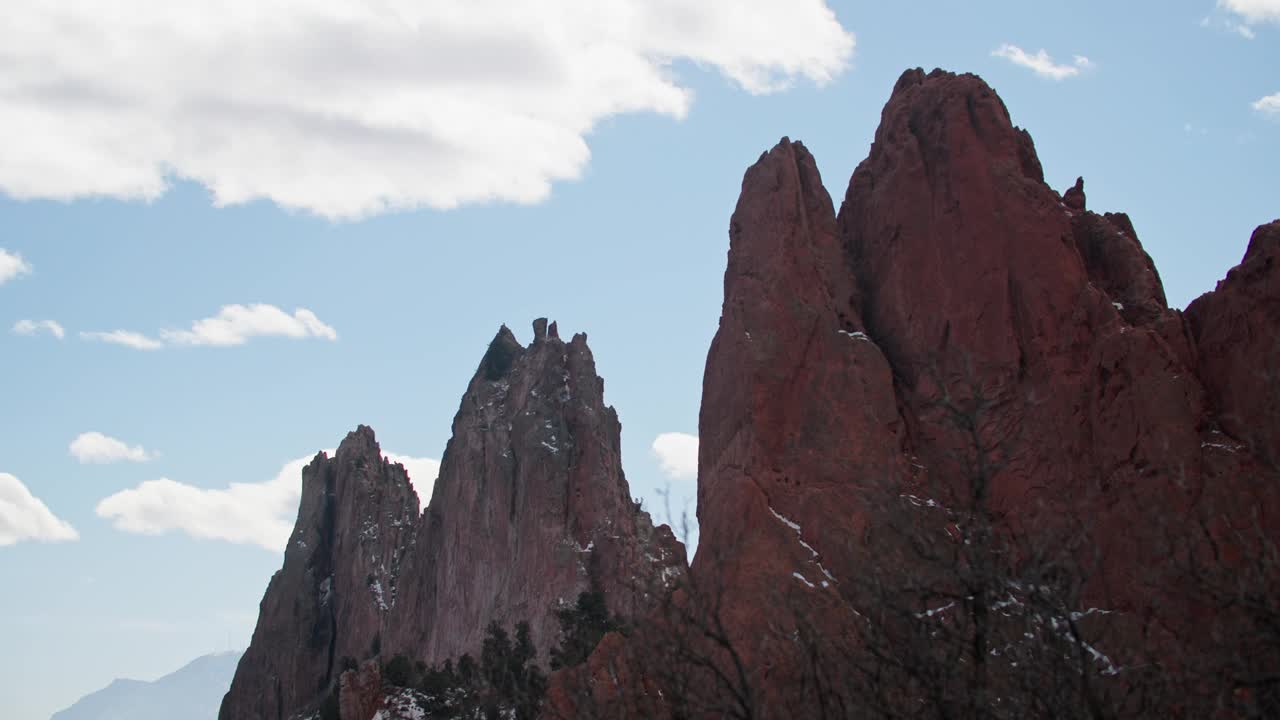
[(953, 274), (531, 508)]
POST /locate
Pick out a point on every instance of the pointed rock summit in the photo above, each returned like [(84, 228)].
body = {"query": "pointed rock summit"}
[(340, 578), (531, 506)]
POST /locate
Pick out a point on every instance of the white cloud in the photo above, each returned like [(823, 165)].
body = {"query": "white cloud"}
[(247, 513), (1269, 105), (422, 471), (1041, 63), (31, 327), (1254, 11), (24, 517), (235, 324), (94, 447), (11, 264), (677, 455), (137, 341), (346, 108)]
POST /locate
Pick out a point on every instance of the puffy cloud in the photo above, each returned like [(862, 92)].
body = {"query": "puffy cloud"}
[(1254, 11), (137, 341), (1041, 63), (1269, 105), (24, 517), (235, 324), (11, 264), (94, 447), (346, 108), (31, 327), (677, 455), (248, 513)]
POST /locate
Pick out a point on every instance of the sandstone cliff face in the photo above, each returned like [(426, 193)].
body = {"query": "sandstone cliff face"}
[(953, 270), (797, 400), (531, 508), (340, 578), (953, 274), (973, 273)]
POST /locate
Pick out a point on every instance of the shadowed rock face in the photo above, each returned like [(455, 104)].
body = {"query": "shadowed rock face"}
[(340, 578), (1237, 335), (952, 270), (531, 508)]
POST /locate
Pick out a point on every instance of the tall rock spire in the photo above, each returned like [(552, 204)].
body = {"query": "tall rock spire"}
[(341, 573), (531, 506)]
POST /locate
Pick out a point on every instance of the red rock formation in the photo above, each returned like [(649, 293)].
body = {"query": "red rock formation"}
[(330, 600), (972, 272), (797, 401), (531, 508), (952, 272)]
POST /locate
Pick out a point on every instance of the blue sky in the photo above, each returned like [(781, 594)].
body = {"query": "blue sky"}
[(601, 201)]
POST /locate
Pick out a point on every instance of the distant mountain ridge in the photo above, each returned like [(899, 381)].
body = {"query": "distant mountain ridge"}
[(192, 692)]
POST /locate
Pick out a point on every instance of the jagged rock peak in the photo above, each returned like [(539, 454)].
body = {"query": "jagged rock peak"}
[(531, 506), (1265, 242), (503, 351), (362, 440), (1074, 197)]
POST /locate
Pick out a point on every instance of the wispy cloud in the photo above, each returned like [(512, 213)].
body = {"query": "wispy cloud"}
[(247, 513), (1229, 24), (94, 447), (1269, 105), (1041, 63), (345, 108), (24, 517), (11, 266), (677, 455), (1253, 11), (137, 341), (233, 325), (31, 327)]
